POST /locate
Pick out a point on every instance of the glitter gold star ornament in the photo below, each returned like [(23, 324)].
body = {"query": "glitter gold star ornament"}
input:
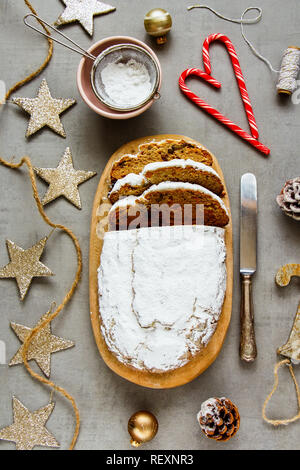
[(84, 12), (44, 110), (29, 428), (64, 180), (25, 265), (42, 345)]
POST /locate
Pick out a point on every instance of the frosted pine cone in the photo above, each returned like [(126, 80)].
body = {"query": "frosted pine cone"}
[(289, 198), (219, 419)]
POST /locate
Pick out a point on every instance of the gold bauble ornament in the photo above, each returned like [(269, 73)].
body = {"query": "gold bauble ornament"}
[(142, 427), (158, 23)]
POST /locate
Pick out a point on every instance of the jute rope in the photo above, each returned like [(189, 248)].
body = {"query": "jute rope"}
[(34, 74), (26, 160), (68, 296), (278, 422)]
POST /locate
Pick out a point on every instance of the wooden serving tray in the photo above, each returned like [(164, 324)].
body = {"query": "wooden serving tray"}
[(200, 362)]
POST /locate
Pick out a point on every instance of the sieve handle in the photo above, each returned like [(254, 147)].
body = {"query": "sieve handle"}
[(79, 49)]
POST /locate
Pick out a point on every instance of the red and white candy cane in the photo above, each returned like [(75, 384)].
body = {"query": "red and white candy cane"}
[(252, 139), (238, 74)]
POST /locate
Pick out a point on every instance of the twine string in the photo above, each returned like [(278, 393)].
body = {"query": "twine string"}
[(278, 422), (36, 72), (241, 21), (26, 160)]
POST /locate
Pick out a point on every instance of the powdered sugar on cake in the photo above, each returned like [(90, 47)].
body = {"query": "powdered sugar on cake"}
[(179, 163), (161, 291), (125, 202), (132, 179)]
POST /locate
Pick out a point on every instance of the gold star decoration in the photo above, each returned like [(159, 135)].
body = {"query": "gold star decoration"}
[(25, 265), (44, 110), (64, 180), (42, 345), (29, 428), (84, 12)]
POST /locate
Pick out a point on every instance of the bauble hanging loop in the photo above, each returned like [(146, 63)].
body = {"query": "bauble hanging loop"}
[(158, 23), (142, 427)]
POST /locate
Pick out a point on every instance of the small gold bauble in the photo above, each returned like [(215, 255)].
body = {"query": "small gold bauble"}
[(158, 23), (142, 427)]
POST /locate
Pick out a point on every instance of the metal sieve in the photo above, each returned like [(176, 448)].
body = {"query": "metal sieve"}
[(123, 53), (119, 53)]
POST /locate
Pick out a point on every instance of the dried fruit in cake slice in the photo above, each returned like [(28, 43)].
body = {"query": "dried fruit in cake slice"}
[(169, 203), (165, 150), (187, 171)]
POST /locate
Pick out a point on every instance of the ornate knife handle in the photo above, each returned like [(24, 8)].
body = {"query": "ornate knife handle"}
[(247, 346)]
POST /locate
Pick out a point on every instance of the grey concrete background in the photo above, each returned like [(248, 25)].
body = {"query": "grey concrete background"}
[(105, 400)]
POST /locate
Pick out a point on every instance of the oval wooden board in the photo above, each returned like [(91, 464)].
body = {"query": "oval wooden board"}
[(200, 362)]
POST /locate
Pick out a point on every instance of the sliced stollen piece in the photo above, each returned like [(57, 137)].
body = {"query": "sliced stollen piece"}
[(187, 171), (165, 150), (169, 203), (127, 213), (130, 185), (161, 293), (169, 148)]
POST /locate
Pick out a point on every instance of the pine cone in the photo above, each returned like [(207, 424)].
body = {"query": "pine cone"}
[(289, 198), (219, 419)]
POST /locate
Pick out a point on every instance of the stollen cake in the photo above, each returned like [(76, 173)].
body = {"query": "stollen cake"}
[(161, 292), (130, 185), (169, 203), (187, 171), (165, 150)]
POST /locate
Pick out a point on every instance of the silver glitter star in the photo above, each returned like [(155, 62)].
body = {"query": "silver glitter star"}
[(44, 110), (83, 11), (29, 428), (64, 180)]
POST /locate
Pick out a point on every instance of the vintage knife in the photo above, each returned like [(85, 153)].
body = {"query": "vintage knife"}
[(248, 225)]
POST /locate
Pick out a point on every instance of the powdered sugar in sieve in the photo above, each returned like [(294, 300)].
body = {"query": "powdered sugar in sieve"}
[(125, 77)]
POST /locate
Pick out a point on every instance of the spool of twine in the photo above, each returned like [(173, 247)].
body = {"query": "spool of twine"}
[(290, 65)]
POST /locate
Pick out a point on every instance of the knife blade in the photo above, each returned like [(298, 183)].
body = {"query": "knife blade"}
[(248, 224), (248, 241)]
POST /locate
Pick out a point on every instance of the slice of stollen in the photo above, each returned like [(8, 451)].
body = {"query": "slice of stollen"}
[(130, 185), (165, 150), (187, 171), (169, 203)]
